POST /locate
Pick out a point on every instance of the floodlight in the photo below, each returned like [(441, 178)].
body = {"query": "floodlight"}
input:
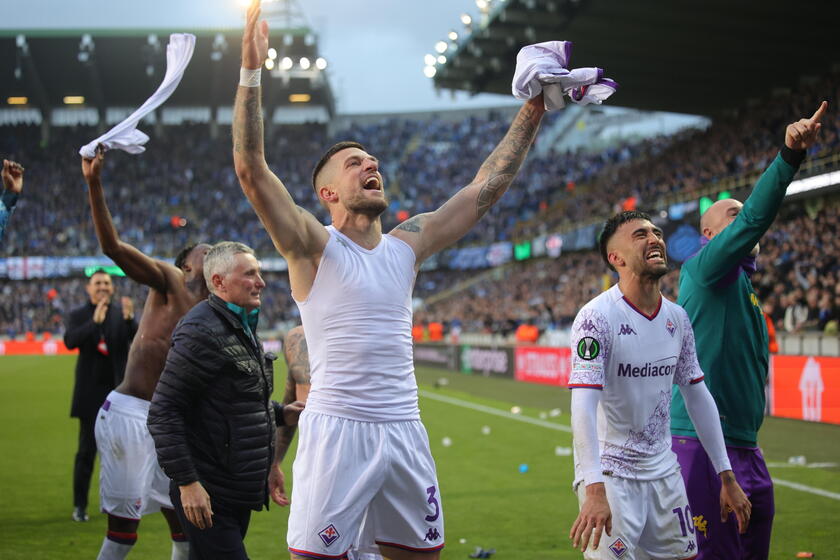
[(321, 63), (453, 35), (429, 71), (304, 63), (74, 99), (441, 59), (269, 64), (441, 46), (466, 19), (299, 98), (19, 100), (429, 59), (272, 53), (286, 63)]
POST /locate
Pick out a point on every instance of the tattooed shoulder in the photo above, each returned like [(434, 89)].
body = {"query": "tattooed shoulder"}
[(413, 225)]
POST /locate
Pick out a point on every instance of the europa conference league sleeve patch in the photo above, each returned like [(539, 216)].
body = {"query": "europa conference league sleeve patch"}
[(588, 348)]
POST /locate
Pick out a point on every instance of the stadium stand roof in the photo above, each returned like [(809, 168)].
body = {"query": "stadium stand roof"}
[(121, 68), (687, 57)]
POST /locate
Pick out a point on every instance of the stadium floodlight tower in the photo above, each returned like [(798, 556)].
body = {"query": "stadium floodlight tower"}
[(300, 90)]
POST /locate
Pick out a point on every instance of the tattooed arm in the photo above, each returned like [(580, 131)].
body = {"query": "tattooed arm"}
[(296, 233), (297, 360), (297, 384), (429, 233)]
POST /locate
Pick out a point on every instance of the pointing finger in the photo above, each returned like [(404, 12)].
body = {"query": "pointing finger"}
[(818, 115)]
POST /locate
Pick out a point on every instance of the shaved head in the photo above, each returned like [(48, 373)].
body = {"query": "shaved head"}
[(718, 216)]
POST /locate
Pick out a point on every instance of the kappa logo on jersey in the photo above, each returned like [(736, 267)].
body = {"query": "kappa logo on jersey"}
[(329, 535), (670, 327), (432, 534), (618, 548), (588, 326), (626, 329), (588, 348)]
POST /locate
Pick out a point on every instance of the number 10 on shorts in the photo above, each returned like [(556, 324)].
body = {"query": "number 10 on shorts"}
[(686, 521)]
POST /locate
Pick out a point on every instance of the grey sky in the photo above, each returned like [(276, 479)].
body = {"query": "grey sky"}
[(374, 48)]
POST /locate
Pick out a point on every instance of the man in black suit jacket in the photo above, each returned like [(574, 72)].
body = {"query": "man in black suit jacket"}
[(102, 331)]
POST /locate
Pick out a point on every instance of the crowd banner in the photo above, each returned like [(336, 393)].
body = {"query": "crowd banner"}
[(436, 355), (541, 364), (494, 361), (805, 388)]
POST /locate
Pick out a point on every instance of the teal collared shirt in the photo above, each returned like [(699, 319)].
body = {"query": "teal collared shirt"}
[(248, 320)]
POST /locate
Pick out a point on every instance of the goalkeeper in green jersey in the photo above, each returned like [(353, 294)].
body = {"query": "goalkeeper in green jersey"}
[(732, 347)]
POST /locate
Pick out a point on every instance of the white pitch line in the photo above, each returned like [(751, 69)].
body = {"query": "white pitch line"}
[(809, 489), (496, 411), (564, 428)]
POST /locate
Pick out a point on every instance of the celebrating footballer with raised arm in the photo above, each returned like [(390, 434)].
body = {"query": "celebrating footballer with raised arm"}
[(132, 483), (717, 294), (361, 460)]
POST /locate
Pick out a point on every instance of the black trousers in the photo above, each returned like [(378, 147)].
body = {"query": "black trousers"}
[(83, 466), (225, 540)]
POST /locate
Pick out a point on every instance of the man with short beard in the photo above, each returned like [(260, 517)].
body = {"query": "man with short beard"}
[(132, 483), (363, 463), (629, 346), (732, 344)]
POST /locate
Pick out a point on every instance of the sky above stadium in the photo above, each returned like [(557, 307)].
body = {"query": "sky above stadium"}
[(374, 48)]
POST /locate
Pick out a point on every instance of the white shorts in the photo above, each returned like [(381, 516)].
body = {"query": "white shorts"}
[(648, 520), (357, 483), (131, 483)]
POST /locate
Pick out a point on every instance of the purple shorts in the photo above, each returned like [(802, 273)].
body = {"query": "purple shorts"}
[(717, 540)]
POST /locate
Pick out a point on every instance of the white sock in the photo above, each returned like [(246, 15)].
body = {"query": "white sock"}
[(113, 550), (180, 550)]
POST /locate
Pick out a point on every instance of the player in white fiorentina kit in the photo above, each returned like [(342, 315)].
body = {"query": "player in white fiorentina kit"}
[(363, 471), (629, 346)]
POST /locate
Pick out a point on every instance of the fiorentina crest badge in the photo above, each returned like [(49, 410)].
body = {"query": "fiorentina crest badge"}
[(670, 327), (329, 535), (618, 548)]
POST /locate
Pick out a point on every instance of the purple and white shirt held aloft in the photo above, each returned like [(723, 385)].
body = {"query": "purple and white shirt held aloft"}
[(634, 359)]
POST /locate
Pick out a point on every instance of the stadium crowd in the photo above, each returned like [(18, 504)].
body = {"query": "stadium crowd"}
[(184, 189), (798, 282)]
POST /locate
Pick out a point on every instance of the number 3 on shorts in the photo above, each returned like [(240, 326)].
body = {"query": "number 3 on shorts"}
[(432, 500)]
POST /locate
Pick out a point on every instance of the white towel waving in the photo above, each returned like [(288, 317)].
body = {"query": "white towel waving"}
[(125, 135), (543, 68)]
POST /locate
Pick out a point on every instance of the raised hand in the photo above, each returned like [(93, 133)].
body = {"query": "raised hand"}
[(92, 168), (255, 39), (12, 176), (802, 134)]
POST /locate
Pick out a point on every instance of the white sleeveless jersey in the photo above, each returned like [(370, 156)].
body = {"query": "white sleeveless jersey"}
[(634, 359), (357, 321)]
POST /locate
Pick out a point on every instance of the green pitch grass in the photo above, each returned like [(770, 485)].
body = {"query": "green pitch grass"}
[(488, 502)]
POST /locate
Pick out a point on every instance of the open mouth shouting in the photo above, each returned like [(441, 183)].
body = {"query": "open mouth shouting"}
[(655, 256), (372, 183)]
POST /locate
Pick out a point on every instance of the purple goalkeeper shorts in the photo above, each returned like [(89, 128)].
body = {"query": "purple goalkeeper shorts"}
[(717, 540)]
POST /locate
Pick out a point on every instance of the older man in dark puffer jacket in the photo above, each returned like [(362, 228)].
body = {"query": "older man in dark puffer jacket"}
[(211, 416)]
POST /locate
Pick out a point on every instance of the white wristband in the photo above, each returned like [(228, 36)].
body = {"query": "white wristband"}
[(249, 78)]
